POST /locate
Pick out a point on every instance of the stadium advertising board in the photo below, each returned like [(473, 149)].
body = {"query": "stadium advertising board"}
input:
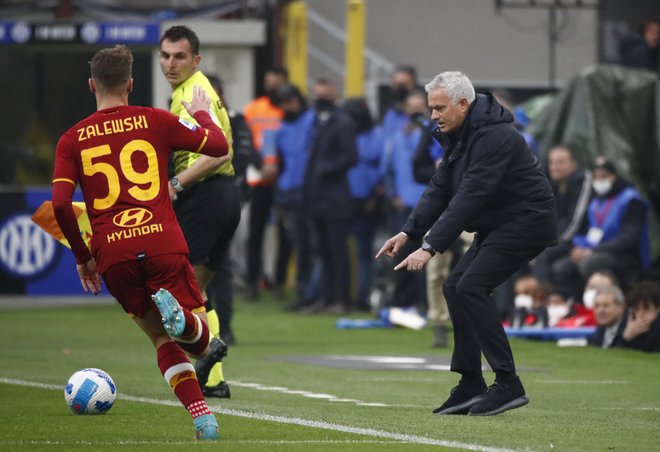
[(93, 33)]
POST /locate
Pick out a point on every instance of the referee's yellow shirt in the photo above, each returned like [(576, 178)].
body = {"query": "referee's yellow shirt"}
[(185, 159)]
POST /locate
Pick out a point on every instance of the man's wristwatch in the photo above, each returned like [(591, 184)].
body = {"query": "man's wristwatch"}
[(426, 246), (176, 185)]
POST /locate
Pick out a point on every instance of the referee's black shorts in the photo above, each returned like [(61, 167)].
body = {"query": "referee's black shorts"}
[(209, 213)]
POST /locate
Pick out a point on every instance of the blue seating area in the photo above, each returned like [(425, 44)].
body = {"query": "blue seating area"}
[(550, 334)]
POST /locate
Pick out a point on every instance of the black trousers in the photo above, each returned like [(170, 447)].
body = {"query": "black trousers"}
[(468, 291), (332, 236), (220, 293), (260, 205)]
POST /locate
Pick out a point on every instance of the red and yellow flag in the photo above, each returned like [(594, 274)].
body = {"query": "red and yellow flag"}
[(44, 217)]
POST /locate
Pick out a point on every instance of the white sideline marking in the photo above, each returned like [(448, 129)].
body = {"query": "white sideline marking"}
[(587, 382), (313, 395), (400, 437)]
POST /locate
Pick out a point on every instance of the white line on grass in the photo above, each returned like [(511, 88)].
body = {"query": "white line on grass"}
[(587, 382), (401, 437), (314, 395)]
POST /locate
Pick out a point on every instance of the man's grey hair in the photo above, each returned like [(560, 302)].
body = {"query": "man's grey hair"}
[(456, 85), (616, 293)]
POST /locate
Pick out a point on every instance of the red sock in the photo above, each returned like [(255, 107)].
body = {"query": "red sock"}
[(195, 335), (180, 375)]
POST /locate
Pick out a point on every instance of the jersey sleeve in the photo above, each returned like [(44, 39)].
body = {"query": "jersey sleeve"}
[(66, 168), (206, 138), (65, 177)]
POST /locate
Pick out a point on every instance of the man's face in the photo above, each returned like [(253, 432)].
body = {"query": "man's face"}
[(447, 114), (273, 81), (177, 61), (325, 91), (652, 35), (560, 164), (416, 104), (402, 79), (292, 105), (607, 311)]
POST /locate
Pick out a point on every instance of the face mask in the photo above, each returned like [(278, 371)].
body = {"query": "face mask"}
[(290, 115), (602, 186), (400, 93), (523, 301), (418, 118), (323, 104), (272, 96), (588, 298), (556, 313)]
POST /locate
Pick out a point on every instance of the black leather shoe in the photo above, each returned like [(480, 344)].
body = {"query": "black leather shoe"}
[(500, 397), (221, 391), (462, 398), (217, 351)]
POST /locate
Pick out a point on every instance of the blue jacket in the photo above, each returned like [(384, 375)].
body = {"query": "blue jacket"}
[(610, 215), (365, 175), (489, 182), (404, 146), (292, 144), (393, 122)]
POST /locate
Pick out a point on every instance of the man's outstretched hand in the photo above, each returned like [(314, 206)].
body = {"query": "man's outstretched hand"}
[(393, 245), (415, 261)]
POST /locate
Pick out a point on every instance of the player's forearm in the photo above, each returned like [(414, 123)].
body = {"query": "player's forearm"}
[(204, 166), (68, 223), (216, 143)]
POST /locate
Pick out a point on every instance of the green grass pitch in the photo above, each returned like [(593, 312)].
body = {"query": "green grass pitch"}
[(581, 399)]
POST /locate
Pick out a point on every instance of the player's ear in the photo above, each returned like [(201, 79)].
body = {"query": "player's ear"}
[(196, 60), (129, 85), (92, 86)]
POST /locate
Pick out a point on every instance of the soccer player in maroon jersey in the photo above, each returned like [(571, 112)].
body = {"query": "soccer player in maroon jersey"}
[(119, 156)]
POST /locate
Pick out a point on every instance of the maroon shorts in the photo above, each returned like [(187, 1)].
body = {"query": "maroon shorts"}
[(133, 283)]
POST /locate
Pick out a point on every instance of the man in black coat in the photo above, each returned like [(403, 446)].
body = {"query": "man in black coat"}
[(489, 182), (328, 198)]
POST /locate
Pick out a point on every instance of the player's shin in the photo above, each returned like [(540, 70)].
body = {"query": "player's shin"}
[(195, 337)]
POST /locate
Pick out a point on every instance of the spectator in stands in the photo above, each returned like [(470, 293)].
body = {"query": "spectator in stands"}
[(642, 51), (582, 311), (291, 146), (559, 306), (364, 180), (529, 302), (602, 278), (610, 308), (263, 117), (618, 233), (402, 83), (572, 188), (333, 152), (642, 331), (409, 287)]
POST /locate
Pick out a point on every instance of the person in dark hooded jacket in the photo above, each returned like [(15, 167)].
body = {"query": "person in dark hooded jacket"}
[(490, 183)]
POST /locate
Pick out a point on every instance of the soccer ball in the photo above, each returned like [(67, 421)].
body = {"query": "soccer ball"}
[(90, 391)]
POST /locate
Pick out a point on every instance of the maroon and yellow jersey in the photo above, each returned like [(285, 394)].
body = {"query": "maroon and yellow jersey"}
[(119, 156)]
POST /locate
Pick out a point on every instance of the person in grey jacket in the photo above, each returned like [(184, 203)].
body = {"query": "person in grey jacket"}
[(490, 183)]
